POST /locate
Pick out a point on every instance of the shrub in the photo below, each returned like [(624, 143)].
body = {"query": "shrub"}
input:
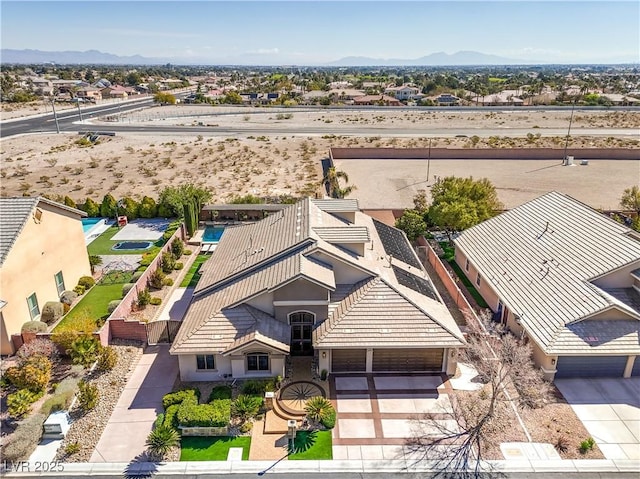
[(111, 307), (587, 445), (246, 407), (220, 392), (178, 266), (67, 297), (107, 359), (167, 282), (84, 350), (216, 414), (317, 407), (38, 347), (87, 395), (144, 297), (159, 420), (33, 374), (155, 301), (86, 281), (19, 403), (136, 276), (72, 448), (178, 397), (171, 416), (147, 258), (187, 252), (329, 419), (24, 439), (177, 248), (65, 339), (52, 311), (161, 440), (34, 327), (323, 375), (126, 288), (246, 427), (167, 263), (57, 402), (254, 387), (79, 290), (156, 280), (562, 444)]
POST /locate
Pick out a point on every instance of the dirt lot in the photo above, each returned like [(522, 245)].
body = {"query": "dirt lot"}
[(270, 165)]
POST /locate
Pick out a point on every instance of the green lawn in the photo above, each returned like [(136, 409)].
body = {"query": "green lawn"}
[(213, 448), (193, 275), (309, 445), (449, 257), (93, 305), (102, 244)]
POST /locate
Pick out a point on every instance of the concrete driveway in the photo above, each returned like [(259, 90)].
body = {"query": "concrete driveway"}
[(378, 413), (609, 408)]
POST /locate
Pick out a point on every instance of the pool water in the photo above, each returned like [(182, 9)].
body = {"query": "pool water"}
[(130, 245), (212, 234), (88, 223)]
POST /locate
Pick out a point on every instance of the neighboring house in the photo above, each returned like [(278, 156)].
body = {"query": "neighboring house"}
[(564, 276), (316, 278), (345, 93), (623, 100), (503, 98), (377, 100), (447, 99), (404, 92), (118, 91), (41, 86), (42, 254), (89, 93)]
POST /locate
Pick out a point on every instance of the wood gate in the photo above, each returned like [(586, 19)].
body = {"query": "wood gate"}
[(162, 331)]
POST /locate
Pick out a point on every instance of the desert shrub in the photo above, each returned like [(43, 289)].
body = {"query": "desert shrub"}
[(87, 395), (126, 288), (167, 282), (144, 297), (161, 440), (33, 374), (156, 279), (72, 448), (329, 419), (24, 439), (67, 297), (178, 397), (79, 290), (187, 252), (167, 263), (317, 407), (177, 248), (111, 307), (107, 359), (587, 445), (136, 276), (86, 281), (52, 311), (562, 444), (246, 407), (34, 327), (147, 258), (19, 403), (84, 350), (178, 266), (155, 301), (216, 414), (246, 427), (257, 387), (65, 339), (38, 347), (171, 416), (220, 392)]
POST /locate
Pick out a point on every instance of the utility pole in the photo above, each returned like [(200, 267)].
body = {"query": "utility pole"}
[(566, 142), (55, 115), (79, 111)]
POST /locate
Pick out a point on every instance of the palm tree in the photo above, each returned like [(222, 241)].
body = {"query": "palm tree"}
[(332, 181), (161, 440)]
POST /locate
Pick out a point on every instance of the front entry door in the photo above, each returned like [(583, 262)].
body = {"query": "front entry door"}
[(301, 329)]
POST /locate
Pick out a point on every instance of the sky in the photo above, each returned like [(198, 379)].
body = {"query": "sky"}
[(317, 32)]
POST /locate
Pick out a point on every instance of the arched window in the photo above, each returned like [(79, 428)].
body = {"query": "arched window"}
[(302, 317)]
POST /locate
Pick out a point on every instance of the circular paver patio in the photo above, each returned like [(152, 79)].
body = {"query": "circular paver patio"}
[(294, 396)]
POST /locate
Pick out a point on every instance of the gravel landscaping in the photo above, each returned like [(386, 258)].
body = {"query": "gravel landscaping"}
[(86, 429)]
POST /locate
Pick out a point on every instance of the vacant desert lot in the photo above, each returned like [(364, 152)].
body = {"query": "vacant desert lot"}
[(272, 164)]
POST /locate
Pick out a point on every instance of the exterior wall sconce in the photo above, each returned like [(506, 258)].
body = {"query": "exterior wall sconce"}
[(324, 355), (553, 362)]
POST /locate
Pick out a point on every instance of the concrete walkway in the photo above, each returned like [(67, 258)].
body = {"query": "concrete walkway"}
[(132, 419), (176, 304)]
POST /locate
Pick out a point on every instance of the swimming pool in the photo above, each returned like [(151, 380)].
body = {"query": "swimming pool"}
[(212, 234), (88, 223), (129, 245)]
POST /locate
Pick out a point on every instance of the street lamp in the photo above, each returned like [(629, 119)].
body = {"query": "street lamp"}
[(79, 111), (55, 114)]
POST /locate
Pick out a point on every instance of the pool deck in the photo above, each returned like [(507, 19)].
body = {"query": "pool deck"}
[(96, 230)]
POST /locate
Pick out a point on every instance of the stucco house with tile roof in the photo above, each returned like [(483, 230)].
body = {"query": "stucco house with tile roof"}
[(564, 276), (316, 278), (42, 254)]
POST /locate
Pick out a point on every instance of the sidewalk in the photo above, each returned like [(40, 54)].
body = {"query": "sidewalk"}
[(132, 419)]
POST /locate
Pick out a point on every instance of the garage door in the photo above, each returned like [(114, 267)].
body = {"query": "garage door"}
[(348, 360), (590, 366), (407, 360), (636, 367)]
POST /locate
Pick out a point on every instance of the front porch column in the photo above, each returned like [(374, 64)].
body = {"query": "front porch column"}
[(369, 363), (629, 367)]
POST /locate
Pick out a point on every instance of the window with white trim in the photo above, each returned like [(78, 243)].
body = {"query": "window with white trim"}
[(59, 282), (205, 362), (258, 362), (478, 279), (34, 309)]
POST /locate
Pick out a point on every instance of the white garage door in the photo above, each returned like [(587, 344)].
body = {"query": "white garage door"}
[(429, 360)]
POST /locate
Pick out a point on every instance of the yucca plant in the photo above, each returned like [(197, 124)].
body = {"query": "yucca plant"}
[(161, 440), (317, 408), (87, 395), (246, 407)]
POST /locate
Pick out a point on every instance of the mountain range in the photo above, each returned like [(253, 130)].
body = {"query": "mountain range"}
[(95, 57)]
